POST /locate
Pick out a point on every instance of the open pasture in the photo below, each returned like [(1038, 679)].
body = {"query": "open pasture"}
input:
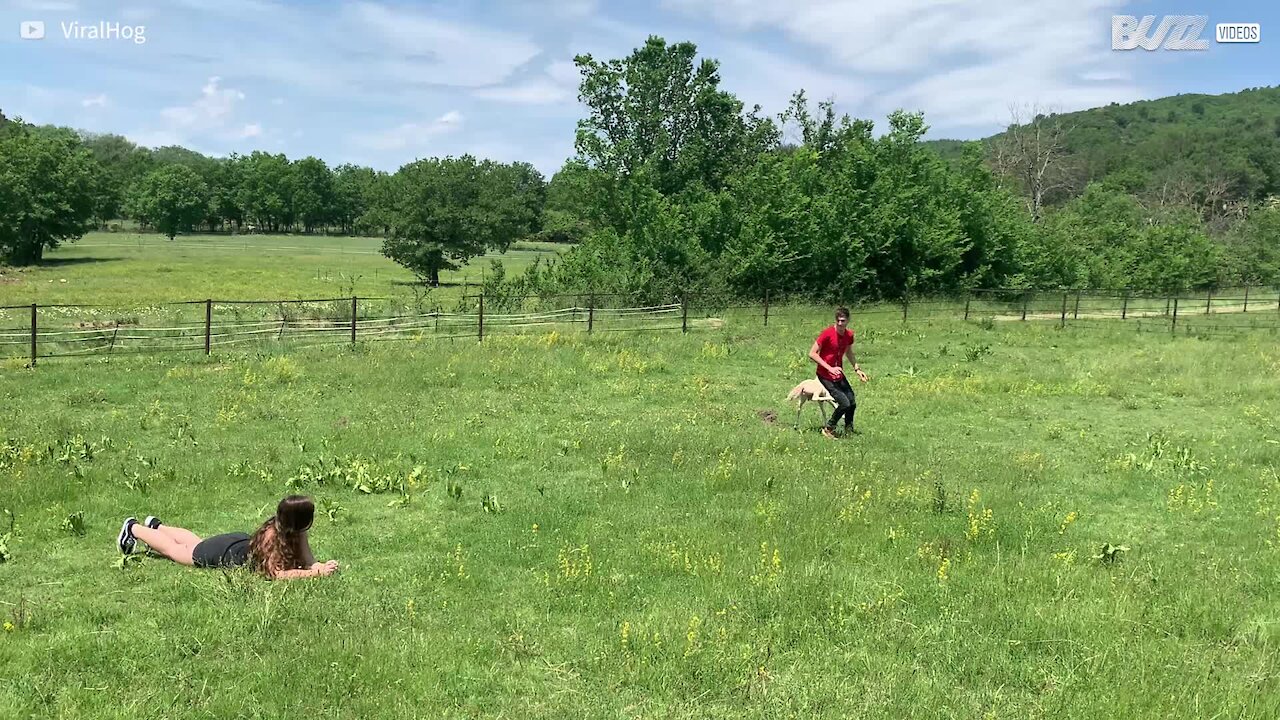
[(1030, 522), (143, 269)]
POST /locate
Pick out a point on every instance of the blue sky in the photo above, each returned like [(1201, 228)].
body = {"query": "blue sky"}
[(381, 83)]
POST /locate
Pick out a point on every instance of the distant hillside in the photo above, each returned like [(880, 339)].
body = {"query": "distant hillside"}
[(1206, 147)]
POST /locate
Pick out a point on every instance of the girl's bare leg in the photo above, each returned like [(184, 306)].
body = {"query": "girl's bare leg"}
[(175, 550), (182, 535)]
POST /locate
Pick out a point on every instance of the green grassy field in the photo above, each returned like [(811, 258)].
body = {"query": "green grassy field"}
[(130, 268), (616, 526)]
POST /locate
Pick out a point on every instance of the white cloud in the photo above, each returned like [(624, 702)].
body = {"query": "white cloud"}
[(209, 118), (157, 138), (903, 35), (422, 48), (979, 97), (569, 8), (564, 72), (48, 5), (557, 84), (325, 64), (1104, 76), (136, 14), (52, 105), (210, 111), (961, 62), (539, 91), (409, 135), (770, 79)]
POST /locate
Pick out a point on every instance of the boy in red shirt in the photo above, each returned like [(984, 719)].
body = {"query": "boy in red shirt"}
[(828, 352)]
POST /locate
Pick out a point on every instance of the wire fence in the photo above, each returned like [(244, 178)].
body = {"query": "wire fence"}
[(36, 331)]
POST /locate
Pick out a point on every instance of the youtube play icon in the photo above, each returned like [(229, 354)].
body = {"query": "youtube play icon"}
[(31, 29)]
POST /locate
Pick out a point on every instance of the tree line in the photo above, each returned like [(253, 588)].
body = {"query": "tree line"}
[(676, 186), (689, 190), (56, 184)]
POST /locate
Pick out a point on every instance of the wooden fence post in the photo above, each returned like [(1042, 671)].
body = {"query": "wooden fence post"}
[(1208, 301), (1025, 295), (1124, 310), (591, 313), (1076, 314), (1246, 298), (480, 324), (904, 306), (1064, 311), (766, 308), (353, 319), (208, 326), (33, 334), (1174, 326), (684, 314), (967, 299)]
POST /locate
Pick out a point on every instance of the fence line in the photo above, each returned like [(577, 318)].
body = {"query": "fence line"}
[(1252, 310)]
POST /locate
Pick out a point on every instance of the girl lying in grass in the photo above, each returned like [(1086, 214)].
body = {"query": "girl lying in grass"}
[(279, 549)]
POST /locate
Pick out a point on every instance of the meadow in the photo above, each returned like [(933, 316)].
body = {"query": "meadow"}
[(134, 268), (1030, 522)]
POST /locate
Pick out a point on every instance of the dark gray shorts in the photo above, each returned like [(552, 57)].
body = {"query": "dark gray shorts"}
[(229, 550)]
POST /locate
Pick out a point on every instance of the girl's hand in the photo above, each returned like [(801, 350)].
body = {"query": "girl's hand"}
[(326, 568)]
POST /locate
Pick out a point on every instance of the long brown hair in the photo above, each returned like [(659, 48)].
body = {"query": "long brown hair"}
[(277, 545)]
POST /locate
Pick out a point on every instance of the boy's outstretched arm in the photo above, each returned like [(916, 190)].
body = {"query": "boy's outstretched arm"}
[(852, 361)]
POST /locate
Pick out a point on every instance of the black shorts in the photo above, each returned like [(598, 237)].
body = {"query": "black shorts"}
[(229, 550)]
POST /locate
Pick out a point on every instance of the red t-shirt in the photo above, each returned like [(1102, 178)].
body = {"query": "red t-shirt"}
[(831, 348)]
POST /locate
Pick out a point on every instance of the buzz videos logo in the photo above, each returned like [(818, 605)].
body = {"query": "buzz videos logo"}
[(1176, 32)]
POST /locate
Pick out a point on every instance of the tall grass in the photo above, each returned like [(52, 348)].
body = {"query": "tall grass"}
[(1029, 522)]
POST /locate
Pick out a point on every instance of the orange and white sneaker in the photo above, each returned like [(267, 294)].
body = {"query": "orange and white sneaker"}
[(826, 433)]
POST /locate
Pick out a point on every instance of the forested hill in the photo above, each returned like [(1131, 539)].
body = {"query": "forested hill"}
[(1185, 147)]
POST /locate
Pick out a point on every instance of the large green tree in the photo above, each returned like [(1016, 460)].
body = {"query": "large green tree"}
[(1252, 249), (123, 164), (658, 115), (266, 191), (571, 210), (172, 198), (378, 193), (351, 195), (48, 191), (1106, 238), (443, 212), (313, 195), (226, 192)]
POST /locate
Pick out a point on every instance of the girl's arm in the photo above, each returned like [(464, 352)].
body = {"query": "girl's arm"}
[(315, 570), (308, 559)]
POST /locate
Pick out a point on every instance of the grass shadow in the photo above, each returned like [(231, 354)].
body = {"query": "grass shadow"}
[(66, 262), (443, 283)]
